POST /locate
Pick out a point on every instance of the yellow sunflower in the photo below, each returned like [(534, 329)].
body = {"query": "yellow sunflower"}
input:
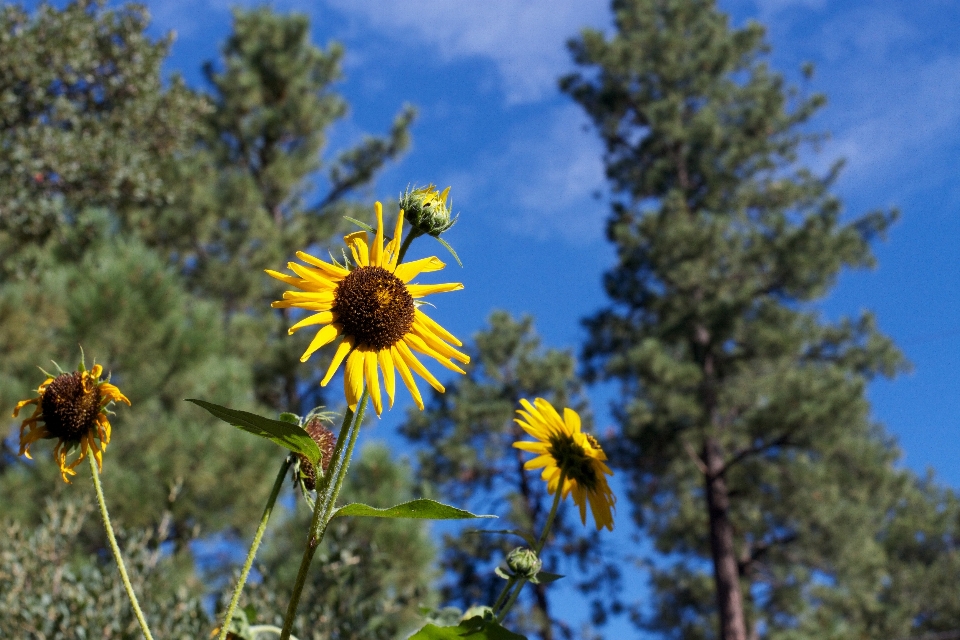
[(72, 408), (563, 449), (375, 311)]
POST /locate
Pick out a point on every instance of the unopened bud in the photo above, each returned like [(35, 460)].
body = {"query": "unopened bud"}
[(326, 441), (427, 209), (524, 563)]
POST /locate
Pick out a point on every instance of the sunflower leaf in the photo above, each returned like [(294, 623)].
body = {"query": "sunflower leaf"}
[(475, 628), (287, 435), (362, 225), (545, 577), (421, 509), (450, 249)]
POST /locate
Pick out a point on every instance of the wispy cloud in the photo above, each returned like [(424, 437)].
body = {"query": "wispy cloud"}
[(545, 181), (525, 39)]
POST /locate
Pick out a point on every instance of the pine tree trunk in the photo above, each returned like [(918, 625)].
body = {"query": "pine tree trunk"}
[(726, 575)]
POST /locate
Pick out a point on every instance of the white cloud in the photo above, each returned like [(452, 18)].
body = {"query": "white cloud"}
[(545, 180), (525, 39)]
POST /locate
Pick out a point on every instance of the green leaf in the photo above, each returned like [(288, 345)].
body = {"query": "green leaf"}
[(450, 249), (285, 434), (421, 509), (473, 629), (545, 577), (362, 225)]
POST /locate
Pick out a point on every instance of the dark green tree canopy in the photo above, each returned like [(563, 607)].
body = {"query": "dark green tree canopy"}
[(744, 423)]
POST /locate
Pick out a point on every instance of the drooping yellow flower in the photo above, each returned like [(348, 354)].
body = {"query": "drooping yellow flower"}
[(373, 308), (71, 407), (563, 449)]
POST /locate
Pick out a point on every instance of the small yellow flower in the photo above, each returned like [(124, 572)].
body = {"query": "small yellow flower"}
[(72, 408), (374, 309), (563, 449)]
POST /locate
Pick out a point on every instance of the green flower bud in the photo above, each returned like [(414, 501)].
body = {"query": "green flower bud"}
[(427, 209), (524, 563)]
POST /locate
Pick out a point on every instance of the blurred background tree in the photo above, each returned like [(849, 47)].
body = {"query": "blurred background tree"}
[(753, 462), (136, 216)]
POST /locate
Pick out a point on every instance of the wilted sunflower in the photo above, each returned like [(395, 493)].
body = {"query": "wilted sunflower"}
[(72, 408), (563, 449), (374, 308)]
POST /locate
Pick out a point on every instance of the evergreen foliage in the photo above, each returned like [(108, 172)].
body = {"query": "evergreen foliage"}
[(753, 461), (466, 456), (136, 224)]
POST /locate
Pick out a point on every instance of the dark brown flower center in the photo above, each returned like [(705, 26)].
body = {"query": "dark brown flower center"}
[(573, 461), (374, 307), (70, 410)]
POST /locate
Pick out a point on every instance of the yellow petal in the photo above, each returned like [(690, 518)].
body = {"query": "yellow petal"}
[(376, 250), (410, 270), (439, 345), (309, 296), (22, 404), (342, 350), (406, 376), (416, 366), (417, 344), (353, 379), (324, 317), (572, 420), (324, 337), (393, 247), (420, 290), (372, 380), (338, 272), (389, 380), (429, 323), (307, 306), (532, 447), (313, 275), (357, 241), (299, 283), (539, 462)]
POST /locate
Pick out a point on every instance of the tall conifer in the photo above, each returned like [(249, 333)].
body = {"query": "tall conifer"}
[(745, 428)]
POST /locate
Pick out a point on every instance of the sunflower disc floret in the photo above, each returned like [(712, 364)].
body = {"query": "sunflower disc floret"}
[(71, 408), (564, 450), (374, 310)]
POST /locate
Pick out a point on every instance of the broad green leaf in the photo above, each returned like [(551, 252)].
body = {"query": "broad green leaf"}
[(421, 509), (472, 629), (545, 577), (285, 434)]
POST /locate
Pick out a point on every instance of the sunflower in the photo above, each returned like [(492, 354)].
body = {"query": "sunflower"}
[(563, 449), (374, 310), (73, 409)]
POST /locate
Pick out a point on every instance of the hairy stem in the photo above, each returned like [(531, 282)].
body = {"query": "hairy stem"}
[(267, 510), (326, 501), (116, 549)]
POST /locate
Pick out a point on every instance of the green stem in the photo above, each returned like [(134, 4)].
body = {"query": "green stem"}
[(511, 601), (412, 235), (503, 594), (553, 514), (267, 628), (557, 498), (116, 549), (326, 501), (267, 510)]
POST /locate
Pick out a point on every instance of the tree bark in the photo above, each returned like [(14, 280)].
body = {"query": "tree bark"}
[(725, 571)]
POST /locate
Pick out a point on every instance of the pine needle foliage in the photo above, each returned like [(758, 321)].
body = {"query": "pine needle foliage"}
[(746, 433)]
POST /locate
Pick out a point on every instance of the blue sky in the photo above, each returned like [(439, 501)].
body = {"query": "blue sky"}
[(524, 171)]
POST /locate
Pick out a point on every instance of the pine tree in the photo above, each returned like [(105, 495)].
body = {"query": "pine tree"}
[(85, 121), (745, 429), (256, 189), (467, 458)]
